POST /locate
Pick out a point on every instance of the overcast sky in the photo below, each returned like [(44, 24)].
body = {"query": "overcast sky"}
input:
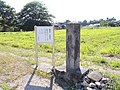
[(76, 10)]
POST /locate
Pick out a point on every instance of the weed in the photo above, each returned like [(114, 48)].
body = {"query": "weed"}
[(115, 81), (12, 67), (43, 74), (4, 87), (115, 64)]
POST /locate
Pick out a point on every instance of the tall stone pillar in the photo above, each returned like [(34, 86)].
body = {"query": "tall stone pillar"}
[(73, 49)]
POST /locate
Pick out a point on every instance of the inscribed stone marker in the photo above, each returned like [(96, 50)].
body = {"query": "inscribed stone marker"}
[(73, 48)]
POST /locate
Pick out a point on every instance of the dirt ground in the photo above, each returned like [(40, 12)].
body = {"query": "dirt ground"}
[(34, 82), (31, 81), (26, 80)]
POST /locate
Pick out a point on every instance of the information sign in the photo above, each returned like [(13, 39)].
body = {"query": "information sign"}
[(44, 34)]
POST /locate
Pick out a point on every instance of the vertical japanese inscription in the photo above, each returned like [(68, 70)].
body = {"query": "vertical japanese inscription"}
[(45, 34)]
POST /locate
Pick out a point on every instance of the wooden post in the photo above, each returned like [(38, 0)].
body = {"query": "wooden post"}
[(73, 50)]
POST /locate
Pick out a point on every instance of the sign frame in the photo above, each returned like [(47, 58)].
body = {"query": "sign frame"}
[(42, 42), (44, 34)]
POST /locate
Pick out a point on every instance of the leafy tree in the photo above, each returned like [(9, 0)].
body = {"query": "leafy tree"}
[(111, 19), (112, 24), (103, 23), (84, 23), (7, 16), (33, 13), (67, 21), (109, 22), (94, 22)]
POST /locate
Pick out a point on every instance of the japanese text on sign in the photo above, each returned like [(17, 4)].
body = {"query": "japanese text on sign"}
[(44, 34)]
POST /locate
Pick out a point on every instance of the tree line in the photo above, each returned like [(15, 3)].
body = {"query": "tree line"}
[(112, 22), (33, 13)]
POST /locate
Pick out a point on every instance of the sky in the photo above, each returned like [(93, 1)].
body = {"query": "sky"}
[(75, 10)]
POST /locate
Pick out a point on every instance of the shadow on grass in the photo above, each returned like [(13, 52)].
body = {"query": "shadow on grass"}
[(32, 87)]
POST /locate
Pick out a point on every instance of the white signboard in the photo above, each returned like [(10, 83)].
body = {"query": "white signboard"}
[(44, 34)]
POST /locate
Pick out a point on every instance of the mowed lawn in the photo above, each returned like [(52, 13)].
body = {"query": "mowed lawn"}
[(99, 47)]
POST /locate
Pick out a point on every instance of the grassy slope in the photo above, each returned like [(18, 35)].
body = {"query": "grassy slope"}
[(95, 44)]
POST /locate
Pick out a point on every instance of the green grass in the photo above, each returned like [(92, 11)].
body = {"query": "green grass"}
[(43, 74), (114, 83), (95, 45), (99, 60), (115, 64), (11, 68), (96, 41), (4, 87), (100, 41)]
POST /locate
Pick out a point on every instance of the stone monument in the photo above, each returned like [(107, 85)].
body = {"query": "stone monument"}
[(73, 51), (77, 76)]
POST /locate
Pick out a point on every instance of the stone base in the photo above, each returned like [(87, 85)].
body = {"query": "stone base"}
[(88, 80), (72, 76), (65, 79)]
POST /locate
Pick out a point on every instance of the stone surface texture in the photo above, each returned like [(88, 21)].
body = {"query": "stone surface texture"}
[(95, 76), (73, 48), (84, 70)]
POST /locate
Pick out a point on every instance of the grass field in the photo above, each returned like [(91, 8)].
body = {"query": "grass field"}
[(97, 41), (99, 49)]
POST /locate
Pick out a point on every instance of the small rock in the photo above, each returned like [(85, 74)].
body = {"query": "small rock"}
[(85, 84), (88, 88), (95, 76), (87, 80), (84, 70), (104, 88), (92, 85), (105, 80), (98, 84), (103, 85)]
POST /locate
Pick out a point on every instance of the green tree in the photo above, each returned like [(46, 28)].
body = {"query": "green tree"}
[(67, 21), (34, 13), (7, 16), (84, 23), (103, 23)]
